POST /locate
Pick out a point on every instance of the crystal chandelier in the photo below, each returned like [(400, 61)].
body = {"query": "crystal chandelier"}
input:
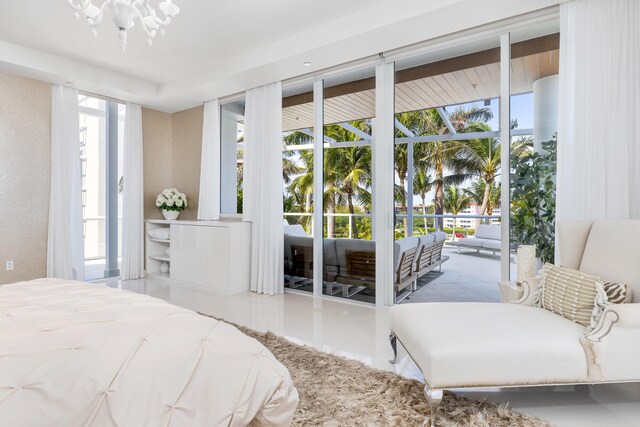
[(125, 13)]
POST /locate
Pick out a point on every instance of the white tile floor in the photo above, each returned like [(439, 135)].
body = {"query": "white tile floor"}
[(361, 332)]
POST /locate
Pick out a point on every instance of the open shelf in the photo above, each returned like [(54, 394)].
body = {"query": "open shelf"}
[(159, 240), (160, 257)]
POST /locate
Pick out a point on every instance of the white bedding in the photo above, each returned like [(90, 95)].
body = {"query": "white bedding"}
[(77, 354)]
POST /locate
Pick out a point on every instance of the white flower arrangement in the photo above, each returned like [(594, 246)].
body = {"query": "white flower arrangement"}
[(171, 200)]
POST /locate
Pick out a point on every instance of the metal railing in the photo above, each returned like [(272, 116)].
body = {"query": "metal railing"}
[(486, 219)]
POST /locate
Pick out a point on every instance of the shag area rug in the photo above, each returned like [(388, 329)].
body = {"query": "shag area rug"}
[(335, 391)]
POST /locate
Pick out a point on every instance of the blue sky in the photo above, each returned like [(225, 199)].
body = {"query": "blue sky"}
[(521, 109)]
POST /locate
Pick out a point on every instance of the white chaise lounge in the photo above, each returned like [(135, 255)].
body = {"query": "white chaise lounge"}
[(476, 345)]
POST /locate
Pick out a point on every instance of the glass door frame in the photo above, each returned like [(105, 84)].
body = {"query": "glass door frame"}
[(383, 143)]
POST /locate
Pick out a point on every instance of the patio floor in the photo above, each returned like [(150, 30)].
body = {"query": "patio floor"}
[(466, 277)]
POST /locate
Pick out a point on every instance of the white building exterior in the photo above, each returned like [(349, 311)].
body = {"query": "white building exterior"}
[(466, 223)]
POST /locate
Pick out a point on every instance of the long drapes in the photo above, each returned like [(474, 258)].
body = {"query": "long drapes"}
[(263, 186), (599, 111), (132, 196), (65, 244), (209, 200)]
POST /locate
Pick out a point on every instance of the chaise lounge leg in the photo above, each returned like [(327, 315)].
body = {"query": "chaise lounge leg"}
[(434, 397), (394, 346)]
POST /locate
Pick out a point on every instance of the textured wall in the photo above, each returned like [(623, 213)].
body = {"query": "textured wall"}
[(156, 136), (172, 144), (25, 157), (186, 145)]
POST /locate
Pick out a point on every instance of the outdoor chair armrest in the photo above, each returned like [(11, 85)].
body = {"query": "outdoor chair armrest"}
[(530, 287)]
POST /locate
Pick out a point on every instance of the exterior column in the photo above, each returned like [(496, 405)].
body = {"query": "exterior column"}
[(545, 110)]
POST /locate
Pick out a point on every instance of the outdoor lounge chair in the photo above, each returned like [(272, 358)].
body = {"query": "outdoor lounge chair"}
[(357, 259), (429, 254)]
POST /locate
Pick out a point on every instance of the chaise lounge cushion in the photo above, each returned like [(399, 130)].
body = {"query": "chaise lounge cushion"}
[(486, 344)]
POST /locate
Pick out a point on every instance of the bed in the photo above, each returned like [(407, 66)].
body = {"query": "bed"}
[(78, 354)]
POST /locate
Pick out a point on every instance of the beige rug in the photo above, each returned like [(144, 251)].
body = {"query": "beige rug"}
[(335, 391)]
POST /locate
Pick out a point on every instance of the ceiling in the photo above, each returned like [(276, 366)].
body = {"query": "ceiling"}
[(216, 48), (453, 88)]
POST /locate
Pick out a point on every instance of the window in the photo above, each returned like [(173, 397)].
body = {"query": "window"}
[(231, 156), (101, 142), (454, 143)]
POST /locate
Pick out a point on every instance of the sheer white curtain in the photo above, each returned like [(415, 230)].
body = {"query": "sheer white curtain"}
[(262, 183), (209, 200), (132, 196), (599, 122), (65, 245)]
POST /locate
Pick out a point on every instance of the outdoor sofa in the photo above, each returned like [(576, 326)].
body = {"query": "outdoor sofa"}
[(486, 237), (350, 264)]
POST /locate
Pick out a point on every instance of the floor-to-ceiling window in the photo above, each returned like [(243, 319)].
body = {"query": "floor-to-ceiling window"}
[(447, 171), (534, 118), (231, 156), (455, 194), (299, 198), (349, 246), (100, 144)]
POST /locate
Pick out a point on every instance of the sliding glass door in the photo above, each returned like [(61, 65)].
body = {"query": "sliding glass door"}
[(440, 134)]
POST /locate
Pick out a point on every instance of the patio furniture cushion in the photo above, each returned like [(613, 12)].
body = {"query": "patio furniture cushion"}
[(330, 257), (492, 244), (295, 230), (470, 241), (569, 293), (486, 231), (440, 236), (488, 344)]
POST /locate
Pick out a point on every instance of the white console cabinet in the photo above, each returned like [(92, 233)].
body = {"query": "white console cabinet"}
[(206, 255)]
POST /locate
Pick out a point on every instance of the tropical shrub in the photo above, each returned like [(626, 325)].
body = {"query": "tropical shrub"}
[(533, 200)]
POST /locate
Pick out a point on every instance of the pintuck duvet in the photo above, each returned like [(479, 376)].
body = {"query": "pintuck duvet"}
[(77, 354)]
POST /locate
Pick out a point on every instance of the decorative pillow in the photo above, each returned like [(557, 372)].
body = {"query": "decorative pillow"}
[(609, 293), (569, 293)]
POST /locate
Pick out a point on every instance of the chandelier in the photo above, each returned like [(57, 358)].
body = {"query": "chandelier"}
[(125, 13)]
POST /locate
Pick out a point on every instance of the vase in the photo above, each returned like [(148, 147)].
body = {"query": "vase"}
[(164, 267), (170, 215), (526, 262)]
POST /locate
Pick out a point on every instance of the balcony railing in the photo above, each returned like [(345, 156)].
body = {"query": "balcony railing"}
[(437, 219)]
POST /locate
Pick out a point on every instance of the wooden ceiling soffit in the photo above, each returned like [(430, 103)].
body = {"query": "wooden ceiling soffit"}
[(484, 57)]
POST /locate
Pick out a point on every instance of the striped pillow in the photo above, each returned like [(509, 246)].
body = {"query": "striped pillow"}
[(609, 293), (569, 293)]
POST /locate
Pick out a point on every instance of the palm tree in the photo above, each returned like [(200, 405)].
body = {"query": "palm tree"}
[(454, 202), (347, 171), (482, 157), (351, 176), (422, 184), (415, 122), (444, 155)]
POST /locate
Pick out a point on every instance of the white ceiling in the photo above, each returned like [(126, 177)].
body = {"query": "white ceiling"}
[(216, 48)]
